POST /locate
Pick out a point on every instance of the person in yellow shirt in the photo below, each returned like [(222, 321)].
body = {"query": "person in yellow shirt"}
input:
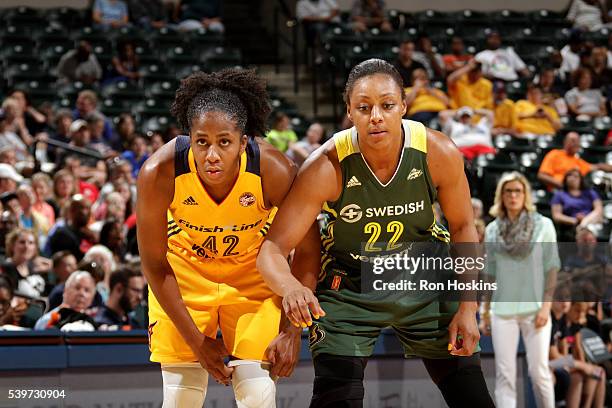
[(468, 87), (533, 117), (503, 109), (424, 101)]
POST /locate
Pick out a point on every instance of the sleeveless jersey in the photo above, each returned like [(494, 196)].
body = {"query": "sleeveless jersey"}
[(379, 218), (227, 233)]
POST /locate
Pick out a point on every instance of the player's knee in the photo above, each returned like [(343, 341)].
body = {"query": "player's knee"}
[(337, 378), (178, 396), (184, 386), (253, 387), (255, 393)]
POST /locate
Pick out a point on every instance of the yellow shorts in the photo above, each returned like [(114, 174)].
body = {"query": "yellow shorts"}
[(248, 323)]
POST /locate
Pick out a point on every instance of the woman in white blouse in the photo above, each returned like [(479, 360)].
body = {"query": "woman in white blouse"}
[(522, 257)]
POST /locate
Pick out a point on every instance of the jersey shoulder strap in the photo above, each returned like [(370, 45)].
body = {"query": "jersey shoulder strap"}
[(418, 135), (181, 156), (345, 142)]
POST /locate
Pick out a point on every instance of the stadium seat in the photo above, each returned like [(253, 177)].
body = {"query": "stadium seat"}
[(151, 108), (123, 90), (66, 17), (114, 106)]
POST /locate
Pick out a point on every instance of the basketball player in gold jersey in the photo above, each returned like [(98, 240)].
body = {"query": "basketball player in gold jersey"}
[(205, 203)]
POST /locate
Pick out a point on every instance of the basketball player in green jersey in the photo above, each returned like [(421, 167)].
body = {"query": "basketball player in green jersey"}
[(377, 182)]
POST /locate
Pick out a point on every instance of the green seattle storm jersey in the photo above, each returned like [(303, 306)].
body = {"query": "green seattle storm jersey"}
[(371, 218)]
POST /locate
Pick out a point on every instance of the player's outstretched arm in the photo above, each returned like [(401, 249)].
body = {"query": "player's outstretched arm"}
[(155, 193), (316, 183), (446, 168)]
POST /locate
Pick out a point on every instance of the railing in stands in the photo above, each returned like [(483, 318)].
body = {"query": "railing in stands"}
[(283, 12), (65, 146)]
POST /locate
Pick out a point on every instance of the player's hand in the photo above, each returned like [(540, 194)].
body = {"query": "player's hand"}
[(463, 331), (210, 354), (299, 304), (283, 351)]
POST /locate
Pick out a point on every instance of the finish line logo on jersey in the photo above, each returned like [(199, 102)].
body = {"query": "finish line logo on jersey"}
[(352, 212), (219, 228)]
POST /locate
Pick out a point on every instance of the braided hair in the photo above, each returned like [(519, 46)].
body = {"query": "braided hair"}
[(239, 93)]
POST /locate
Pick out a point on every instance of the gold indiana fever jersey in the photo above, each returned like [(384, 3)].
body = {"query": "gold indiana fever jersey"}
[(224, 234)]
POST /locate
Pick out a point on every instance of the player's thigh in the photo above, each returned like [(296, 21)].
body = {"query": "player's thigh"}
[(249, 327)]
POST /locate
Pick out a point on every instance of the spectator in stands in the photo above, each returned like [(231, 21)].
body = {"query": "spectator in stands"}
[(583, 101), (56, 297), (558, 162), (95, 124), (8, 222), (112, 206), (64, 263), (137, 154), (35, 121), (9, 178), (157, 140), (472, 139), (86, 104), (109, 14), (405, 63), (79, 64), (552, 90), (64, 187), (148, 13), (63, 119), (101, 256), (24, 267), (112, 236), (8, 155), (526, 277), (504, 122), (422, 100), (281, 135), (431, 60), (588, 381), (368, 14), (588, 15), (458, 57), (533, 117), (501, 62), (11, 308), (126, 64), (575, 205), (126, 129), (80, 137), (42, 184), (571, 53), (29, 218), (88, 175), (197, 14), (299, 151), (316, 16), (602, 74), (126, 292), (79, 292), (75, 236), (13, 131), (468, 87)]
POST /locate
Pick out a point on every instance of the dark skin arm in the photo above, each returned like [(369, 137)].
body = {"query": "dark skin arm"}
[(446, 168), (278, 174), (155, 192), (288, 230)]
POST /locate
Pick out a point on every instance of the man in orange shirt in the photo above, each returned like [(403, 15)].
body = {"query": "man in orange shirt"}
[(468, 87), (557, 162)]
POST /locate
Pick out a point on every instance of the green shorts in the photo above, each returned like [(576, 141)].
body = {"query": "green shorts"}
[(353, 323)]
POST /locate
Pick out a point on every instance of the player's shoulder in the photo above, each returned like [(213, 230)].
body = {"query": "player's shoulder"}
[(440, 146), (161, 163), (271, 159)]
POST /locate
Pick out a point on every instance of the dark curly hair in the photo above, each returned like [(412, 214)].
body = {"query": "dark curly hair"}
[(369, 67), (240, 93)]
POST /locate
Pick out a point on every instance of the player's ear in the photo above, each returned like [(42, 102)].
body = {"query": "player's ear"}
[(348, 113)]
